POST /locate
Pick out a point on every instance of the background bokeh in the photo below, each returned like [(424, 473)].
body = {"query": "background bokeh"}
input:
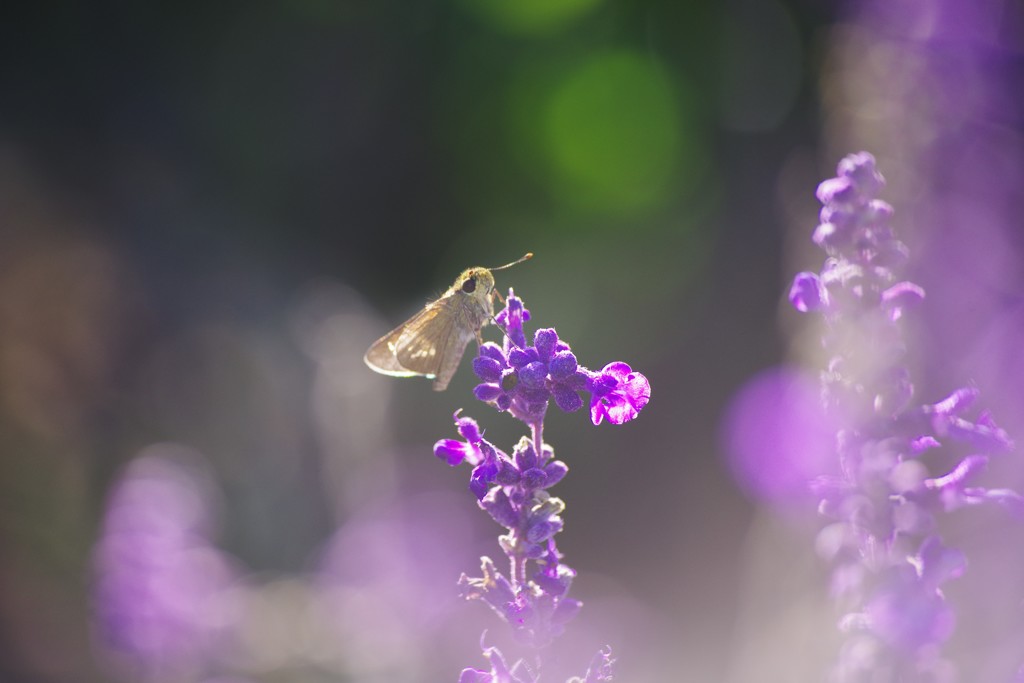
[(209, 210)]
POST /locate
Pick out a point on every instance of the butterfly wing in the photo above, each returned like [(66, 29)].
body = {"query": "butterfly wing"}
[(381, 355), (433, 342)]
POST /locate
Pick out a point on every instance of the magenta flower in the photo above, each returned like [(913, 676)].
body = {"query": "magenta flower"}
[(618, 394)]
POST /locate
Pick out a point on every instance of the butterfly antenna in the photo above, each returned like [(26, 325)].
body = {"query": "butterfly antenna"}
[(503, 332), (525, 257)]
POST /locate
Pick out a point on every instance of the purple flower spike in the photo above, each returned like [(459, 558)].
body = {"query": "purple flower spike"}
[(889, 564), (619, 394), (522, 380)]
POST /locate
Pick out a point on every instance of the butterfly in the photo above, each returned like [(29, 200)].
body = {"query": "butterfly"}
[(432, 342)]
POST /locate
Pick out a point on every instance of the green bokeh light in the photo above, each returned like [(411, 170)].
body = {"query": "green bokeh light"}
[(612, 134), (530, 16)]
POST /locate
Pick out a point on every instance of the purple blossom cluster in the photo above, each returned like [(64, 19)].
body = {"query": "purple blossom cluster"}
[(533, 598), (524, 379), (889, 561)]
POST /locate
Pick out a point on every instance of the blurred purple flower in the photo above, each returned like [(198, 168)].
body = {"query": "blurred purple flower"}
[(889, 563), (161, 600), (778, 436)]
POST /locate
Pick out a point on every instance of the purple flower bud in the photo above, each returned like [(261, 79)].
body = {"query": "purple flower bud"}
[(566, 611), (563, 366), (512, 317), (487, 369), (545, 341), (467, 427), (518, 358), (488, 392), (837, 191), (936, 564), (907, 616), (554, 471), (498, 506), (555, 579), (532, 375), (566, 399), (508, 473), (807, 293), (525, 454), (860, 169), (901, 296), (493, 352), (832, 236), (540, 531)]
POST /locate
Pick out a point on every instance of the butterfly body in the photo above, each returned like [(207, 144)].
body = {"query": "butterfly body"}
[(432, 342)]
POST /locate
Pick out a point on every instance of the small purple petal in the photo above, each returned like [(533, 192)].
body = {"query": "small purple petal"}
[(900, 297), (937, 564), (807, 293), (451, 451), (956, 403), (566, 611), (534, 478), (967, 469), (499, 507), (468, 428), (555, 471), (476, 676), (487, 392), (492, 351), (538, 532), (832, 235), (837, 190), (566, 399)]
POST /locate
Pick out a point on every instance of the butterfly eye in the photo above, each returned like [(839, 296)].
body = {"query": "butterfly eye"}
[(469, 285)]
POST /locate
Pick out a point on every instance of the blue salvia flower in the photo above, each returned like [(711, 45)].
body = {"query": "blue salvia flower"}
[(533, 598), (889, 562)]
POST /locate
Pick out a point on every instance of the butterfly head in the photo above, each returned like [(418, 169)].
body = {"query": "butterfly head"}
[(475, 282)]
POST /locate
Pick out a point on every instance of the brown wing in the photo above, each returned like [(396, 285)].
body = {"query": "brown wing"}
[(433, 345), (432, 342), (410, 349), (380, 357)]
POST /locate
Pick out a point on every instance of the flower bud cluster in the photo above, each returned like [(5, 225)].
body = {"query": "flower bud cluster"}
[(523, 379)]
